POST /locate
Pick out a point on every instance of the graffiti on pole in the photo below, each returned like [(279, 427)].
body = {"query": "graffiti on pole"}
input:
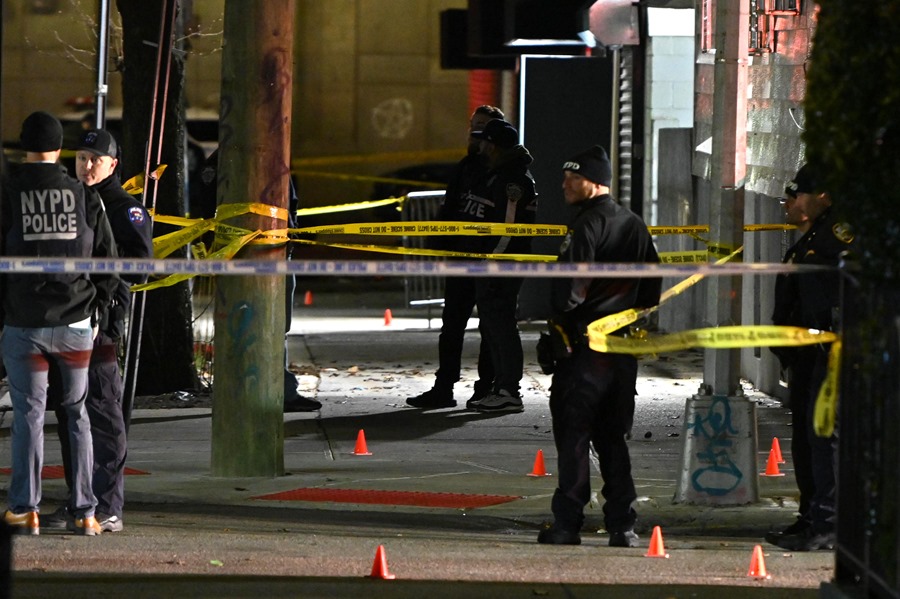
[(716, 474)]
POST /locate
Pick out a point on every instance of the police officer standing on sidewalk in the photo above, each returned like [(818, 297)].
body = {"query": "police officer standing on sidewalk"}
[(592, 393), (96, 159), (505, 195), (50, 318), (459, 292), (797, 362), (815, 300)]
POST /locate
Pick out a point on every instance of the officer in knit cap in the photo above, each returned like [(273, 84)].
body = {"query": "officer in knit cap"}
[(49, 318), (41, 132), (593, 165), (592, 393)]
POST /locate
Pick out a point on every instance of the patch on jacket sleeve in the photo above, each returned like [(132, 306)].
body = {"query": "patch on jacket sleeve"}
[(843, 232), (514, 192), (136, 215)]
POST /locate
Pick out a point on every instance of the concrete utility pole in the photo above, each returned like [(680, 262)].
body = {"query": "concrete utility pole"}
[(254, 167), (719, 463)]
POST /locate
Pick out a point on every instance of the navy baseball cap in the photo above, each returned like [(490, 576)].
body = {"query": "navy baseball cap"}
[(499, 133), (99, 142), (805, 181)]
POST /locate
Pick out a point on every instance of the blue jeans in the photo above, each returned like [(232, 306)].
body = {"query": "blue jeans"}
[(32, 356)]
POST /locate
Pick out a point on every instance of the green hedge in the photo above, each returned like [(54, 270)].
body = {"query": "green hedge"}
[(853, 114)]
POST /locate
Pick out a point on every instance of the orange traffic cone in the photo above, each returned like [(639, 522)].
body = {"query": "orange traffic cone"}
[(758, 564), (380, 567), (388, 317), (361, 448), (776, 447), (772, 465), (656, 544), (538, 468), (307, 299)]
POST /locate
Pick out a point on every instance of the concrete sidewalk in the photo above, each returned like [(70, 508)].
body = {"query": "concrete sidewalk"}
[(180, 521)]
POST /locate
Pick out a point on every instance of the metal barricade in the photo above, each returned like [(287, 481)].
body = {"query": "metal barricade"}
[(422, 291)]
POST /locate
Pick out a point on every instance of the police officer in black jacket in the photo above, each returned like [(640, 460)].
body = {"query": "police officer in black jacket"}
[(96, 160), (797, 362), (50, 318), (811, 300), (459, 292), (506, 194), (592, 393)]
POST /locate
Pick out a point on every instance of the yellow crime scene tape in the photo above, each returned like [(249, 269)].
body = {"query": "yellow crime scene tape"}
[(600, 339), (135, 185), (825, 414), (599, 332), (434, 228), (689, 257), (384, 249), (694, 229), (226, 253)]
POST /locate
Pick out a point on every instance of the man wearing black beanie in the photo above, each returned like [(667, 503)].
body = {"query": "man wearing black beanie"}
[(592, 393), (49, 318)]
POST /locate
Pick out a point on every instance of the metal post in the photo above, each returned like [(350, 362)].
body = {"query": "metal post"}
[(152, 159), (102, 60), (719, 461)]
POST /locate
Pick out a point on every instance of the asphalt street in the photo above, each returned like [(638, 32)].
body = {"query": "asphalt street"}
[(190, 534)]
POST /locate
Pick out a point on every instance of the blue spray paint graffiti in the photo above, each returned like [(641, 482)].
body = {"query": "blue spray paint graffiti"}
[(239, 327), (718, 474)]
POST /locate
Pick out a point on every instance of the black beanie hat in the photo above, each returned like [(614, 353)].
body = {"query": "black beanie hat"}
[(593, 165), (41, 132)]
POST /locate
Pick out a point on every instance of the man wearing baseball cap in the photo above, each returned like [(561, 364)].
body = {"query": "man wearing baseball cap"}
[(811, 300), (592, 393), (506, 194), (459, 292), (96, 159), (49, 319)]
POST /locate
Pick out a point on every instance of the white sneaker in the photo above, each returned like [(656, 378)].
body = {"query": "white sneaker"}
[(502, 401), (110, 523)]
